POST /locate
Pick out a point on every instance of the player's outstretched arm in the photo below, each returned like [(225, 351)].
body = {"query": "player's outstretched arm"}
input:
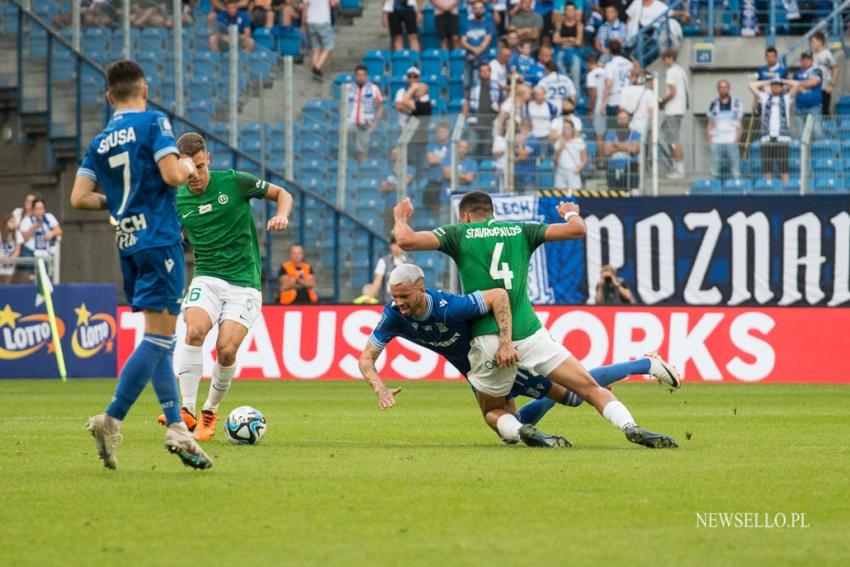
[(175, 172), (573, 227), (83, 195), (499, 303), (386, 396), (407, 238), (283, 198)]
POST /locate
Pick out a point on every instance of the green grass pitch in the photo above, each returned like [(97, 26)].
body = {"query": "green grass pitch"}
[(336, 481)]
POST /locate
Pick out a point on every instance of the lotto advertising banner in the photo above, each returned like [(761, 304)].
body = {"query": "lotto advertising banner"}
[(694, 250), (806, 345), (85, 322)]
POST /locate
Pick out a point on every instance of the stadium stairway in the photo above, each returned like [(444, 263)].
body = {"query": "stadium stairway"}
[(352, 41)]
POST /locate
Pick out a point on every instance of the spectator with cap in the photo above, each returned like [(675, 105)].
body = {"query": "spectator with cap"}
[(775, 113), (725, 124), (413, 100), (810, 96)]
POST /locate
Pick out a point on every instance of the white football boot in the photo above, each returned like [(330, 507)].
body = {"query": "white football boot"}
[(105, 431), (179, 440), (663, 371)]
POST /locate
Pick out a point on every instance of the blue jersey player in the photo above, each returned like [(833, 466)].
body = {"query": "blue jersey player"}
[(136, 163), (440, 322)]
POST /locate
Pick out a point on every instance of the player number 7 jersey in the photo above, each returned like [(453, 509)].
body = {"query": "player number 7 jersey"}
[(492, 255)]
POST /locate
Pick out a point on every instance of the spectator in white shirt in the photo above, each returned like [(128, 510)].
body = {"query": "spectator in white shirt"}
[(638, 100), (413, 100), (825, 61), (318, 27), (39, 233), (725, 120), (618, 74), (25, 211), (642, 13), (10, 247), (541, 113), (594, 83), (365, 108), (402, 18), (674, 103), (570, 158), (775, 124), (559, 88), (499, 67)]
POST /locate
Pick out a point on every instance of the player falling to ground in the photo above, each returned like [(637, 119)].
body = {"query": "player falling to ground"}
[(215, 211), (442, 323), (492, 254), (135, 161)]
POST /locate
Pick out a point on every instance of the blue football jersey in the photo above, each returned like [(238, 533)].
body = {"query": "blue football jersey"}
[(444, 329), (123, 159)]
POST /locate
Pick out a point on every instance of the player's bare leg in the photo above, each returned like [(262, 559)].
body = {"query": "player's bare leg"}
[(230, 337), (572, 375), (499, 413)]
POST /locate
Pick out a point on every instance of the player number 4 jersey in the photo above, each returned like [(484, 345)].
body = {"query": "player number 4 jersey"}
[(492, 255), (219, 224)]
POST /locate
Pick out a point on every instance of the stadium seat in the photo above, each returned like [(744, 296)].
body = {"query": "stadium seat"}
[(457, 63), (201, 88), (288, 41), (264, 38), (434, 61), (826, 184), (456, 90), (401, 61), (706, 187), (262, 63), (340, 80), (792, 187), (827, 166), (823, 149), (737, 186), (842, 107), (435, 86), (763, 185), (376, 62)]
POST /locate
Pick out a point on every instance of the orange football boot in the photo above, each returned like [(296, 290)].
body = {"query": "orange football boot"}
[(188, 419), (206, 427)]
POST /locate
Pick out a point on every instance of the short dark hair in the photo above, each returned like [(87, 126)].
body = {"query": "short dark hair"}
[(476, 203), (615, 47), (670, 54), (191, 143), (124, 80), (770, 49), (38, 200), (361, 67), (551, 66), (818, 35)]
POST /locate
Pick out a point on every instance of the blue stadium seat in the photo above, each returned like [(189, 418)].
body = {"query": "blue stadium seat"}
[(340, 80), (152, 39), (376, 62), (827, 184), (827, 166), (457, 63), (205, 64), (792, 188), (456, 90), (706, 187), (763, 185), (429, 26), (737, 186), (401, 60), (825, 149), (455, 106), (264, 38), (288, 41), (434, 61), (435, 86), (200, 88)]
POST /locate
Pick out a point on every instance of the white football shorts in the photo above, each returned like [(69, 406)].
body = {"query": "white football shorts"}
[(224, 301)]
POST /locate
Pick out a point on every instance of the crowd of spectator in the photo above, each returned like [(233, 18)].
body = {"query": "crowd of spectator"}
[(28, 231)]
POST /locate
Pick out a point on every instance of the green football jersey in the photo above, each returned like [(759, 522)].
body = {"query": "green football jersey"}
[(219, 224), (491, 255)]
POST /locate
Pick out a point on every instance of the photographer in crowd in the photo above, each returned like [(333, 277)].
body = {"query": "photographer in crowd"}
[(612, 290)]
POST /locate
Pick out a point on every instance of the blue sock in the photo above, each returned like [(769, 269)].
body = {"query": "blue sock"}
[(533, 411), (607, 375), (165, 385), (135, 375)]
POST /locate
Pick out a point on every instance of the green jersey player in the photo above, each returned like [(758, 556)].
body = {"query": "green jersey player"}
[(491, 254), (216, 214)]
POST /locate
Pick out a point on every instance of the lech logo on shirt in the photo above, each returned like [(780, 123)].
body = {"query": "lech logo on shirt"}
[(223, 199)]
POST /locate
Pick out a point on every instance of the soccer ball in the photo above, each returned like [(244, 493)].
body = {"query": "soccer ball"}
[(245, 426)]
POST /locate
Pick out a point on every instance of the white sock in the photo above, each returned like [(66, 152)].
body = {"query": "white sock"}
[(508, 426), (220, 384), (618, 414), (189, 374)]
